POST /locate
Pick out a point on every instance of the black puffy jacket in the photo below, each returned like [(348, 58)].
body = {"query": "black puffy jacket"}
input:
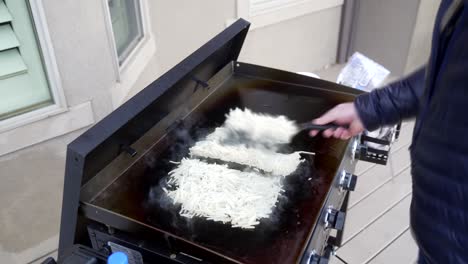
[(437, 96)]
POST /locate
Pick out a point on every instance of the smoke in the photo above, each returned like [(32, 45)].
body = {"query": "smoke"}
[(183, 137), (296, 187)]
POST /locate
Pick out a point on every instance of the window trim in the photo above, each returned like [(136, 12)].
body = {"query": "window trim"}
[(128, 72), (268, 13), (49, 61), (76, 117)]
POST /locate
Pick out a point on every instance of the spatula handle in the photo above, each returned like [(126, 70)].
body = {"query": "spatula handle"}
[(310, 126)]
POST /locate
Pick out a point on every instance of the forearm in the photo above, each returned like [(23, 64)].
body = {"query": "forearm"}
[(395, 102)]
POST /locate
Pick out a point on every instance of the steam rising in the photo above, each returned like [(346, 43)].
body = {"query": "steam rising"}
[(242, 197)]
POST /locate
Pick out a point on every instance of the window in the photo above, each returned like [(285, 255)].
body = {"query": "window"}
[(126, 25), (24, 86), (131, 38)]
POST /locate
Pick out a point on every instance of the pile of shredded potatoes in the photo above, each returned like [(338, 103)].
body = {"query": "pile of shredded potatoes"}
[(221, 194), (268, 161), (261, 127)]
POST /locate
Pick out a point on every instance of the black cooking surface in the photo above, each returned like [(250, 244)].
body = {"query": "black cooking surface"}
[(136, 193)]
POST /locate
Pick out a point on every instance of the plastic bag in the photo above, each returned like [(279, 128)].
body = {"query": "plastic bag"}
[(362, 73)]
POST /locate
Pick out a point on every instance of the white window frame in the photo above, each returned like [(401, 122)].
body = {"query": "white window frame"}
[(128, 72), (51, 71), (275, 11)]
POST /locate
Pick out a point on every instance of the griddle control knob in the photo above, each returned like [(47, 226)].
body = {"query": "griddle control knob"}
[(317, 259), (357, 148), (347, 181), (334, 219)]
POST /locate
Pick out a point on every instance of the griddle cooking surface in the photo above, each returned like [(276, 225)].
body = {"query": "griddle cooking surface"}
[(281, 239), (276, 240)]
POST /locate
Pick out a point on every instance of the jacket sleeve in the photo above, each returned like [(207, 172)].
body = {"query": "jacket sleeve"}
[(392, 103)]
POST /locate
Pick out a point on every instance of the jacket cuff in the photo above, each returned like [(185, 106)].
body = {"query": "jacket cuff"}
[(366, 112)]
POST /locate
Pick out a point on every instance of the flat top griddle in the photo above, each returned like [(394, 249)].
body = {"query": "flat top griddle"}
[(131, 192)]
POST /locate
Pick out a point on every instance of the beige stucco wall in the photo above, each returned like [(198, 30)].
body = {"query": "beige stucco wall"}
[(304, 43), (180, 27), (83, 53)]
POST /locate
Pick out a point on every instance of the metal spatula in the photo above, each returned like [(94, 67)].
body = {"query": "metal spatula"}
[(310, 126), (307, 126)]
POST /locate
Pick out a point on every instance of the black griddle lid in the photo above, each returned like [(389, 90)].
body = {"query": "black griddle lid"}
[(102, 143)]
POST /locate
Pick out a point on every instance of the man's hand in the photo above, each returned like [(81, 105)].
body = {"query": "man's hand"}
[(342, 114)]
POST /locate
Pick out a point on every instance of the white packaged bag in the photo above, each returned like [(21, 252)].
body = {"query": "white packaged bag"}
[(362, 73)]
